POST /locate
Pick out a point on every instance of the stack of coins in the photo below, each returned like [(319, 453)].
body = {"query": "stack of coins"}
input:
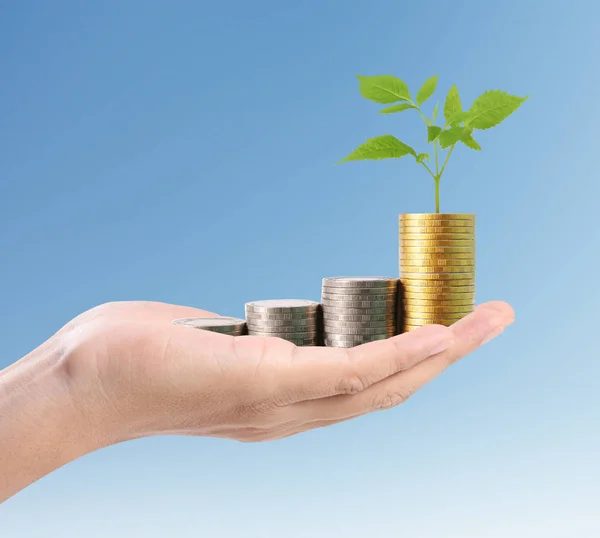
[(437, 267), (357, 310), (223, 325), (295, 320)]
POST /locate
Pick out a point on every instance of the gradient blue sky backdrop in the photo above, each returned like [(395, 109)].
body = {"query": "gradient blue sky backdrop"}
[(184, 152)]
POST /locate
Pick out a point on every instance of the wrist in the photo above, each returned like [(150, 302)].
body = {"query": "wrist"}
[(46, 420)]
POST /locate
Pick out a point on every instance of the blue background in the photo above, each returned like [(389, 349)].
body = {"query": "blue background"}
[(184, 152)]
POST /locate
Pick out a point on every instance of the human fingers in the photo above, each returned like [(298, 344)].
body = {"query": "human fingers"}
[(320, 372), (488, 319)]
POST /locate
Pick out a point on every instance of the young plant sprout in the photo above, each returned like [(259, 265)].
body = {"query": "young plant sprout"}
[(488, 110)]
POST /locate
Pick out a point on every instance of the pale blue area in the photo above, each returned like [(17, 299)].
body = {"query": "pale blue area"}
[(128, 129)]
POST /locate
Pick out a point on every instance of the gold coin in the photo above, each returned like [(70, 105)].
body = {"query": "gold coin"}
[(437, 230), (420, 276), (436, 237), (469, 254), (426, 284), (425, 261), (410, 328), (403, 223), (442, 290), (420, 314), (436, 242), (437, 269), (437, 216), (413, 302), (413, 297), (434, 318), (444, 286), (437, 279), (445, 293), (440, 309), (408, 266)]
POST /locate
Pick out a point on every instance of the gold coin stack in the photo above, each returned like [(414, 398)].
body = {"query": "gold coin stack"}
[(437, 267)]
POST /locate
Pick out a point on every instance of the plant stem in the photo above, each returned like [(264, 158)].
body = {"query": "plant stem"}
[(437, 195), (428, 169), (435, 150), (445, 162), (425, 119)]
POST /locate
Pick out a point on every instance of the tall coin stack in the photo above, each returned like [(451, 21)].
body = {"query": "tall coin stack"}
[(223, 325), (295, 320), (357, 310), (437, 267)]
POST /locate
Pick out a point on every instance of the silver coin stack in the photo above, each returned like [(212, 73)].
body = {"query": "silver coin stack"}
[(357, 310), (295, 320), (223, 325)]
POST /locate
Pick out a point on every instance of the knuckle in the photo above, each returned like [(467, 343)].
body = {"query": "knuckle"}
[(351, 384), (392, 399), (402, 360)]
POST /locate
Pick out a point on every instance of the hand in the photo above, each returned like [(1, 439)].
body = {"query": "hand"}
[(123, 370), (146, 376)]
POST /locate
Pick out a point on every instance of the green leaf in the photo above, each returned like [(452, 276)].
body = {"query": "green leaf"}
[(435, 111), (421, 157), (426, 91), (453, 135), (380, 147), (396, 108), (458, 118), (433, 132), (470, 142), (491, 108), (384, 89), (452, 106)]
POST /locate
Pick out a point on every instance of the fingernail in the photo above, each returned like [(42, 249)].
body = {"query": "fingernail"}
[(492, 334), (442, 346)]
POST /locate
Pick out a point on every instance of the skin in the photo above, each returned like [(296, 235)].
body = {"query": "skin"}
[(122, 371)]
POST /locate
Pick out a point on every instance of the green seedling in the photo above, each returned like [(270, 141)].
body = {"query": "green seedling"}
[(488, 110)]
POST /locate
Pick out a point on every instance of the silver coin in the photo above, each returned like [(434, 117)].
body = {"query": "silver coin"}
[(341, 345), (282, 306), (355, 317), (288, 316), (358, 304), (359, 281), (309, 341), (347, 310), (206, 323), (388, 320), (356, 339), (330, 325), (302, 343), (365, 297), (359, 331), (283, 334), (359, 291), (253, 329), (359, 297), (330, 343), (223, 330), (338, 342), (283, 328), (282, 322)]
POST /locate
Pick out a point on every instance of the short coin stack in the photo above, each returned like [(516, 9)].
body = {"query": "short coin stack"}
[(223, 325), (357, 310), (295, 320), (437, 267)]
